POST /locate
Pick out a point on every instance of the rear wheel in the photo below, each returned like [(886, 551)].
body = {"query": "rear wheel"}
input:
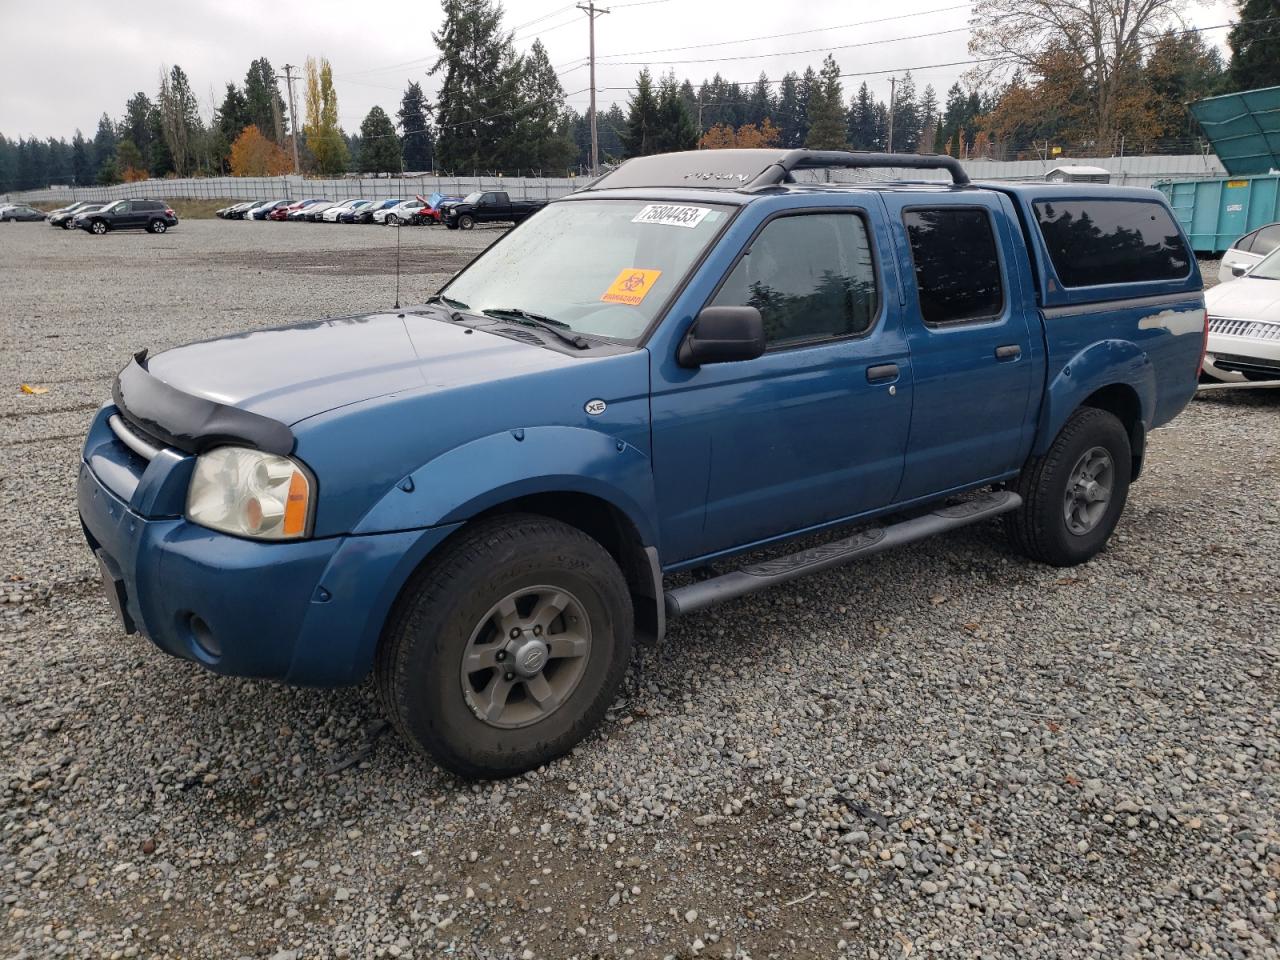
[(1073, 495), (157, 226), (507, 649)]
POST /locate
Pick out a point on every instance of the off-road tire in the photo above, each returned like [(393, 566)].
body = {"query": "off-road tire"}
[(1039, 527), (419, 656)]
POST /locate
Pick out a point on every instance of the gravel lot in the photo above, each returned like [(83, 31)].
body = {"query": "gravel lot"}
[(942, 751)]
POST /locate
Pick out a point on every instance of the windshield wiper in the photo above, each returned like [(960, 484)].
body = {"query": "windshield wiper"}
[(451, 306), (529, 319)]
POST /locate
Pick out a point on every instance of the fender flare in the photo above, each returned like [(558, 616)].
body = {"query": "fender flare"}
[(1102, 364), (483, 473)]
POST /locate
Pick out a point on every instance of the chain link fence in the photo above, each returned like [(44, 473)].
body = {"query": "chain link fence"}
[(302, 188), (1133, 171)]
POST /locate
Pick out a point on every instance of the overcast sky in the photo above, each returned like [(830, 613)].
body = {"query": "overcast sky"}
[(53, 80)]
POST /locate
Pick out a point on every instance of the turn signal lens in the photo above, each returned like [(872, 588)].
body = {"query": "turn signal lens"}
[(249, 493)]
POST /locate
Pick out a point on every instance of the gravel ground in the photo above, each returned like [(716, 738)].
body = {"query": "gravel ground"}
[(942, 751)]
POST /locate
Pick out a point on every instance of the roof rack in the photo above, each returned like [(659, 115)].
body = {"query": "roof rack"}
[(755, 170), (780, 170)]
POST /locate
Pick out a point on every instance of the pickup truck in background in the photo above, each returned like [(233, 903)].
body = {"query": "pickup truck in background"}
[(494, 206), (483, 500)]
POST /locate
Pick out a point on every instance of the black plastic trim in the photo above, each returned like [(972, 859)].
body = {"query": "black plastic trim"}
[(191, 423)]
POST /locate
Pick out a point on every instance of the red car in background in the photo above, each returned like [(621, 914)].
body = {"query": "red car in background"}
[(430, 212), (281, 213)]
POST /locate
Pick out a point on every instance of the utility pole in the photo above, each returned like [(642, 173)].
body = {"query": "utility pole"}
[(293, 116), (592, 11), (893, 85)]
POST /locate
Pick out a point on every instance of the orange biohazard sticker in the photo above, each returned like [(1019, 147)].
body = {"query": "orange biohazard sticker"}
[(631, 286)]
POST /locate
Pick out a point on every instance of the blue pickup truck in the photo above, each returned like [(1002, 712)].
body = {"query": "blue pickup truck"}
[(483, 500)]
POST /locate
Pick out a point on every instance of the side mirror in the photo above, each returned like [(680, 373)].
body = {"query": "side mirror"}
[(722, 335), (1239, 269)]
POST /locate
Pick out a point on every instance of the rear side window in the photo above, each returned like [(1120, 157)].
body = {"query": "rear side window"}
[(957, 267), (1094, 242), (1245, 242), (811, 276), (1266, 240)]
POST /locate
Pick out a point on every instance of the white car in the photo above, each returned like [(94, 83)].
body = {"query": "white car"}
[(1244, 325), (400, 213), (1247, 251), (331, 215)]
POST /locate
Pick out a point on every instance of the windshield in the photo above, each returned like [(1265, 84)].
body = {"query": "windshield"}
[(1269, 267), (472, 197), (603, 267)]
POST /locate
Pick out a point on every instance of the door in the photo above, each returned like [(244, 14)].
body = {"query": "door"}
[(815, 429), (972, 349)]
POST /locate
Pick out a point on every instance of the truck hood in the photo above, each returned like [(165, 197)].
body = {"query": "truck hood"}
[(1245, 298), (295, 372)]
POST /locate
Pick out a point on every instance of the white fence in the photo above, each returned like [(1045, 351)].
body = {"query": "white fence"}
[(1139, 171), (301, 188)]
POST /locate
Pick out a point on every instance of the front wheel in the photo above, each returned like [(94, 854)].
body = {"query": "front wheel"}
[(391, 220), (466, 222), (99, 227), (506, 650), (1073, 495), (65, 224)]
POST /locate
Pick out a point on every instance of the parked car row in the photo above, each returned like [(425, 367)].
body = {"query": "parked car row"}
[(456, 213), (390, 212), (1244, 311), (19, 211), (154, 216)]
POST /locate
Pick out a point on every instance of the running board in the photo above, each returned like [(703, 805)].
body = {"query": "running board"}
[(862, 543)]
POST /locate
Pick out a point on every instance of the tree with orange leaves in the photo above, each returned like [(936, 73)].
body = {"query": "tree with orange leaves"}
[(253, 155)]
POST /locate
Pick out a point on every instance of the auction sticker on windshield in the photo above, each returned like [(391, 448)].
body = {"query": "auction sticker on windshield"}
[(671, 215), (631, 286)]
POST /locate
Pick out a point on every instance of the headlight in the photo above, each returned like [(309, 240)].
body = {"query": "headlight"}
[(249, 493)]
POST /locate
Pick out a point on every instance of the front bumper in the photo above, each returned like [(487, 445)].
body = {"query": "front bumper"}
[(1229, 358), (306, 612)]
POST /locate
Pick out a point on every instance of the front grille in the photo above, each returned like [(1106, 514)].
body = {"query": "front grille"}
[(141, 443), (1253, 329)]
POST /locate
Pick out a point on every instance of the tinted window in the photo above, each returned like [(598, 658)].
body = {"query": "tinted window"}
[(811, 277), (1245, 242), (1268, 239), (1111, 241), (957, 267), (152, 205)]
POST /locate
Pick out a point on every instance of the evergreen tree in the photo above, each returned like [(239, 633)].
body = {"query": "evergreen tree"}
[(104, 143), (787, 112), (906, 117), (325, 140), (381, 151), (826, 115), (1255, 45), (862, 133), (180, 120), (804, 92), (229, 119), (542, 137), (264, 107), (479, 96), (690, 99), (760, 106), (928, 120), (81, 161), (159, 160), (641, 135), (129, 159), (109, 172), (676, 129), (416, 129), (1180, 68), (137, 121)]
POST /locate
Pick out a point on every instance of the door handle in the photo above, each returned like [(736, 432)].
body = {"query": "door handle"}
[(882, 373), (1010, 351)]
